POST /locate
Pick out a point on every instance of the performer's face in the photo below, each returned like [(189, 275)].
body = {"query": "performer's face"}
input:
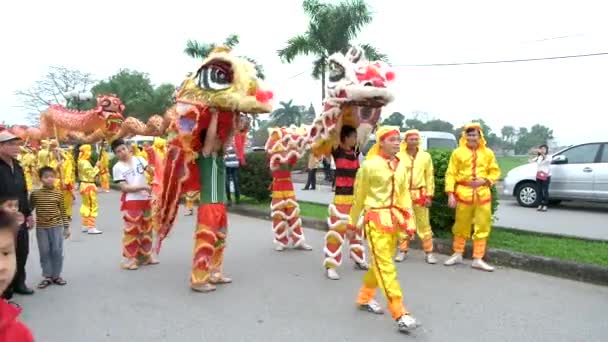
[(473, 137), (390, 144), (351, 140), (412, 141)]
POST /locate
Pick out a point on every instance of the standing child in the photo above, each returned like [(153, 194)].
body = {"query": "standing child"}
[(52, 226), (10, 328)]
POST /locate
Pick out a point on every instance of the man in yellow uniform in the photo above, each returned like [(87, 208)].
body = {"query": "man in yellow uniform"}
[(381, 202), (471, 173), (68, 180), (421, 182), (88, 190)]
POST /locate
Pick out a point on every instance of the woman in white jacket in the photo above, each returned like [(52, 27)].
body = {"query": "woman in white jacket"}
[(543, 175)]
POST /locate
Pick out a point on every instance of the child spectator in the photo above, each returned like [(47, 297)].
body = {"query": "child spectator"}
[(52, 227), (11, 330)]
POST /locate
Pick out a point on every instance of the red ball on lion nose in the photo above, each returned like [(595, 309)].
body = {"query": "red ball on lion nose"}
[(263, 95)]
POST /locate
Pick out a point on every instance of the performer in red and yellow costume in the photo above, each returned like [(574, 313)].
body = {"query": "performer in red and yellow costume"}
[(88, 190), (471, 173), (382, 205), (357, 90), (208, 106), (104, 170), (421, 182), (68, 179), (284, 147)]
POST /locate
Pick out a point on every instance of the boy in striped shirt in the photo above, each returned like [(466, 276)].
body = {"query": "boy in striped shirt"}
[(52, 227)]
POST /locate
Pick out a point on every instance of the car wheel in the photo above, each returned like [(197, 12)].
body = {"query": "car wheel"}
[(527, 195)]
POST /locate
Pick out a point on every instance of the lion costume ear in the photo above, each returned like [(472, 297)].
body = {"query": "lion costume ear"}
[(354, 54)]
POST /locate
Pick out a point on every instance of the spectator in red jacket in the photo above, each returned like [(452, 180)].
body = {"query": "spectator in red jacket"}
[(11, 330)]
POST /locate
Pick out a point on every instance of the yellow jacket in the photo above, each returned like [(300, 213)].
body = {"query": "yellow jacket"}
[(466, 165), (104, 162), (67, 170), (419, 174), (86, 172), (381, 192)]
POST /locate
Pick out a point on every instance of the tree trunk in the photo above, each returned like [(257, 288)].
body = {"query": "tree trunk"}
[(322, 83)]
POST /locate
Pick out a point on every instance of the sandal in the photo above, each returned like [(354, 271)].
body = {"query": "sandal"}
[(44, 283), (219, 280), (59, 281)]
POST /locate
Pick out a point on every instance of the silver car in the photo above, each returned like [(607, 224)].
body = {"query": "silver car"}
[(578, 172)]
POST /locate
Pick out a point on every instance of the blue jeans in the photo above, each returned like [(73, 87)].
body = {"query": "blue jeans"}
[(50, 247), (233, 173), (543, 187)]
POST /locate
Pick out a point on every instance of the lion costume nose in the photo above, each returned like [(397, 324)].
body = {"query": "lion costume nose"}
[(263, 95)]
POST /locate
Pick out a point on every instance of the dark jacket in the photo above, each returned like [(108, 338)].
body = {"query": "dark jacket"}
[(12, 182)]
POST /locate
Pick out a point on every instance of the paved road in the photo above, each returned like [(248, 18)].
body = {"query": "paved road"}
[(285, 297), (573, 219)]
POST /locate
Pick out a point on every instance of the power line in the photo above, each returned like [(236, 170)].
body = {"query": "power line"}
[(504, 61)]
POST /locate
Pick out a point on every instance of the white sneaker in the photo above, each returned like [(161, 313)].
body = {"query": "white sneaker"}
[(407, 323), (372, 306), (279, 248), (482, 265), (401, 256), (332, 274), (456, 258), (430, 258), (94, 231), (363, 266), (304, 247)]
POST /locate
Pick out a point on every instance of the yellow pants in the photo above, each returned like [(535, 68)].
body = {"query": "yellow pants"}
[(382, 272), (423, 229), (104, 181), (88, 208), (68, 200), (479, 218)]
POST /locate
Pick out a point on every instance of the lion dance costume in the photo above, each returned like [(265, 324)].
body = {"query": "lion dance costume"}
[(88, 190), (227, 86), (421, 182), (284, 147), (474, 204), (356, 92), (382, 205)]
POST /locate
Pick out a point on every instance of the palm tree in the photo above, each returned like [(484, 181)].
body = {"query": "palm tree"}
[(199, 50), (287, 115), (331, 29)]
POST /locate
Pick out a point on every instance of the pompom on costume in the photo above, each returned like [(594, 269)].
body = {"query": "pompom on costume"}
[(474, 204), (421, 182), (382, 205), (88, 189), (356, 92), (226, 86), (284, 147)]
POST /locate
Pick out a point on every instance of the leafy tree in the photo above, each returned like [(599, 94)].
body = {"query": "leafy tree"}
[(140, 98), (260, 135), (508, 134), (395, 119), (200, 50), (56, 87), (537, 135), (331, 29), (438, 125), (287, 115)]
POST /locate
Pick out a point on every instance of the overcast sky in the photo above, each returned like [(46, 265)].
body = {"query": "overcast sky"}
[(150, 37)]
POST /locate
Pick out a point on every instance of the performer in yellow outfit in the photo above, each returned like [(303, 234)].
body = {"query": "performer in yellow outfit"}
[(471, 173), (88, 190), (68, 180), (421, 182), (27, 159), (44, 154), (160, 147), (104, 170), (381, 204)]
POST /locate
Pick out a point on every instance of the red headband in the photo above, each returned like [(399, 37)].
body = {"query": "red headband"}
[(410, 134), (389, 134)]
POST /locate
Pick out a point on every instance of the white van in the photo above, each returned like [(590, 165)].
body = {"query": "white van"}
[(430, 140)]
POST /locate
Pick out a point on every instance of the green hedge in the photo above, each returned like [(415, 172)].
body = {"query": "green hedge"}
[(442, 217), (255, 177)]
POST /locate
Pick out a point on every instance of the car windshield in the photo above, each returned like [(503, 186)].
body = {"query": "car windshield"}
[(439, 143)]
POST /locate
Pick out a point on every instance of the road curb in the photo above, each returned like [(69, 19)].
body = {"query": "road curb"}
[(532, 263)]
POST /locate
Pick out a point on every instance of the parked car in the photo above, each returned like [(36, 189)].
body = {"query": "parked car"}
[(430, 140), (578, 172)]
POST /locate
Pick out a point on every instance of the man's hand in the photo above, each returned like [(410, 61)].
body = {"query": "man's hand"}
[(20, 218), (29, 222), (451, 201), (477, 182), (67, 232), (428, 202)]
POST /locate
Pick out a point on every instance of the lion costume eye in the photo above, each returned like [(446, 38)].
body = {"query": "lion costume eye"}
[(336, 72), (216, 75)]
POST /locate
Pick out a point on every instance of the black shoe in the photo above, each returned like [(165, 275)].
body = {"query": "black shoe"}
[(24, 290)]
